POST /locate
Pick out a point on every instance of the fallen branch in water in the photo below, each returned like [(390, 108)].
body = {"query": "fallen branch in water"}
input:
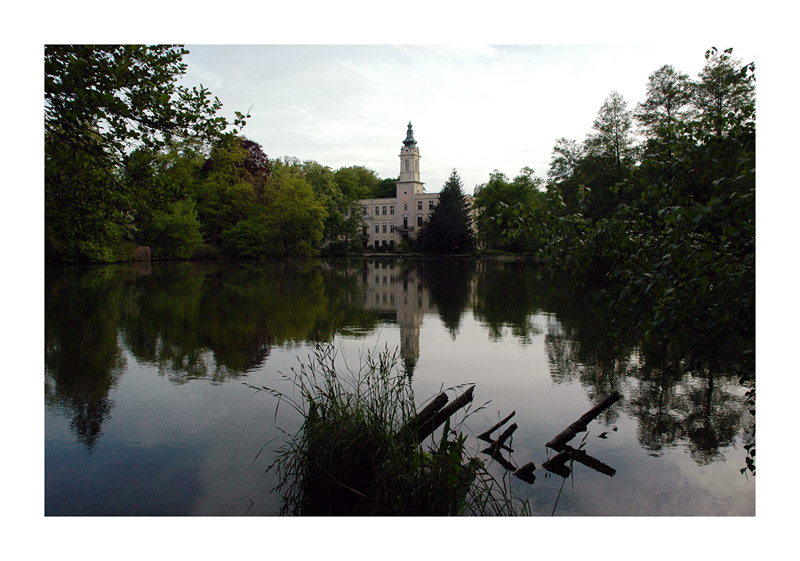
[(581, 424)]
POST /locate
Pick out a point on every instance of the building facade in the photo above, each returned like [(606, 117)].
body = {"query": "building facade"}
[(389, 220)]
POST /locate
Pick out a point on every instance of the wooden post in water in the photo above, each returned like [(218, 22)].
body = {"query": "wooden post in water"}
[(580, 425), (426, 428)]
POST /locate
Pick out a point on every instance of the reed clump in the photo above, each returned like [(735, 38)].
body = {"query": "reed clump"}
[(352, 456)]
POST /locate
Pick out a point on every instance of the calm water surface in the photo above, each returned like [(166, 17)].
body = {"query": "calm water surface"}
[(149, 409)]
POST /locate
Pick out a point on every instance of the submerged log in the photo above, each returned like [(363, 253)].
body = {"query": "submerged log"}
[(582, 457), (526, 473), (556, 464), (580, 425), (498, 457), (426, 428), (499, 443), (485, 435), (427, 412)]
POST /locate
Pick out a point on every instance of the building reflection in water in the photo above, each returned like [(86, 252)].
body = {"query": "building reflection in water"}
[(391, 287)]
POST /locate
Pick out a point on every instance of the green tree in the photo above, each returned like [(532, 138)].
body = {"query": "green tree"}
[(503, 209), (564, 178), (668, 102), (174, 232), (725, 92), (386, 189), (101, 104), (356, 182), (612, 140), (342, 227), (289, 222), (449, 229), (226, 193)]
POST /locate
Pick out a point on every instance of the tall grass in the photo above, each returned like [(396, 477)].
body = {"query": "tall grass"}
[(352, 456)]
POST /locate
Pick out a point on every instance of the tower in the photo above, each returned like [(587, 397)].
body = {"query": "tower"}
[(409, 185), (409, 159)]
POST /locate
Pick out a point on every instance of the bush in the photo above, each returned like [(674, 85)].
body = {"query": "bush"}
[(174, 233)]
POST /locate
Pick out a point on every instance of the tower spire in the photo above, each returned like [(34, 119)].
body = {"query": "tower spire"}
[(409, 141)]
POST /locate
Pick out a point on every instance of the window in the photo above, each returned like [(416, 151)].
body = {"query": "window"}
[(377, 210), (384, 210), (384, 227), (430, 205), (419, 205), (391, 228), (391, 210), (377, 228), (405, 207), (365, 211), (419, 220)]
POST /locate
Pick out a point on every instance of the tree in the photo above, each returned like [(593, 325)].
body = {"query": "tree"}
[(296, 217), (612, 138), (500, 206), (725, 93), (356, 182), (101, 104), (387, 188), (669, 97), (342, 228), (174, 232), (226, 193), (564, 178), (449, 229)]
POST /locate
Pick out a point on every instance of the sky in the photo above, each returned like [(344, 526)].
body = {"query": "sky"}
[(474, 108)]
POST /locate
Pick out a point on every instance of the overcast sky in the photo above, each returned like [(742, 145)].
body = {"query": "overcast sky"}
[(473, 108)]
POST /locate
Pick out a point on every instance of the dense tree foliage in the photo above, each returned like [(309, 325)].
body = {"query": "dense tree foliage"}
[(132, 158), (102, 104), (667, 239), (501, 206)]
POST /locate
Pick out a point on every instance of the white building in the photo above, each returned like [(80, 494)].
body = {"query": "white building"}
[(389, 220)]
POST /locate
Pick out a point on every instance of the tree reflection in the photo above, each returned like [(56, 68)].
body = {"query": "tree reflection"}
[(83, 359), (507, 294), (220, 321), (679, 393), (449, 282)]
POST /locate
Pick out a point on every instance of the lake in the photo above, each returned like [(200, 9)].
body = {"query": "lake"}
[(150, 370)]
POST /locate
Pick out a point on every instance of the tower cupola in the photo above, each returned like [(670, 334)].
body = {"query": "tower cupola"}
[(409, 142)]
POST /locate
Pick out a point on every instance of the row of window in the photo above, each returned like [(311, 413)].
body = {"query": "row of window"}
[(379, 208), (381, 226), (378, 226), (384, 296)]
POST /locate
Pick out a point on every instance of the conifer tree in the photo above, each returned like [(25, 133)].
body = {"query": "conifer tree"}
[(449, 229)]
